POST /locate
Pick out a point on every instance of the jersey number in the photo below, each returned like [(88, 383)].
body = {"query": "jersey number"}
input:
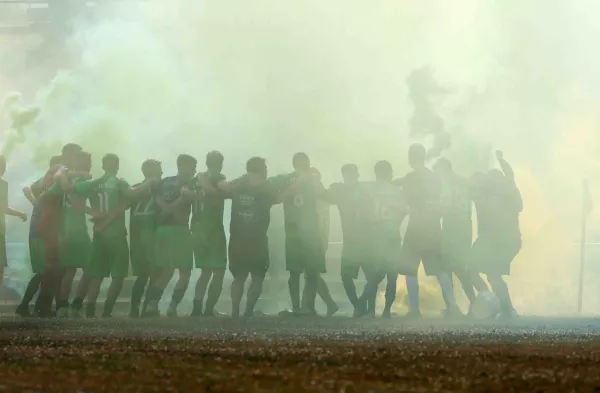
[(143, 209), (103, 197), (298, 201)]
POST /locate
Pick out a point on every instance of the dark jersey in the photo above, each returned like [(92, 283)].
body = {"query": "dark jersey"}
[(456, 208), (385, 210), (143, 214), (169, 189), (498, 211), (50, 205), (351, 203), (36, 212), (300, 213), (422, 189), (207, 212), (251, 210)]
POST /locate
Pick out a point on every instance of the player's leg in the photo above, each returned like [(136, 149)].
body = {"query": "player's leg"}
[(500, 288), (137, 293), (80, 294), (49, 284), (325, 295), (390, 293), (294, 289), (374, 277), (410, 259), (119, 269), (65, 291), (92, 296), (254, 291), (311, 286), (412, 287), (179, 291), (465, 282), (200, 291), (32, 288), (295, 266), (214, 291), (114, 290), (349, 272), (155, 290), (237, 290)]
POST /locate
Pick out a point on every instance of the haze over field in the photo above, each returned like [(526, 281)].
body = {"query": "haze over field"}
[(329, 77)]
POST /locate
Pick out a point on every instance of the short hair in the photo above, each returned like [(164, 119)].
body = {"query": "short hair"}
[(186, 160), (417, 151), (256, 165), (55, 160), (214, 156), (110, 159), (70, 149), (299, 157), (349, 168), (148, 165), (443, 163), (383, 167), (84, 161)]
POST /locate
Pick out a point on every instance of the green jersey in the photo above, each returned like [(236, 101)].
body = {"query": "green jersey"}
[(300, 210), (456, 208), (143, 214), (107, 196), (72, 220), (4, 205), (207, 212)]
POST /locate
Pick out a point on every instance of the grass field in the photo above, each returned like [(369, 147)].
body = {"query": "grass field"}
[(299, 355)]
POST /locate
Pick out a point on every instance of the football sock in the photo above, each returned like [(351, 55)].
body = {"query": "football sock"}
[(412, 286)]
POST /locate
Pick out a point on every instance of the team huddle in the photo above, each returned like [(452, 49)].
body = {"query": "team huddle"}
[(176, 224)]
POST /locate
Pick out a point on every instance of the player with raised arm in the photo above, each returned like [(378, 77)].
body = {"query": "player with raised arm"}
[(173, 243), (304, 249), (143, 217), (350, 198), (208, 234), (423, 237), (499, 237), (37, 255), (252, 197), (385, 213), (6, 211)]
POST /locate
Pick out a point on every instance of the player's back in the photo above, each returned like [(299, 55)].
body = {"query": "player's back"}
[(422, 189), (73, 220), (386, 208), (299, 209), (169, 189), (143, 213), (251, 210), (456, 205), (107, 197)]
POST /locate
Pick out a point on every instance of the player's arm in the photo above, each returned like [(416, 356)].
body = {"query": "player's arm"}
[(293, 188), (8, 211), (141, 191), (28, 192), (399, 182), (505, 166), (79, 204), (230, 186), (87, 186)]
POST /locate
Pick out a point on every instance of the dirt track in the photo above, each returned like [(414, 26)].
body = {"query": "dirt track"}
[(291, 355)]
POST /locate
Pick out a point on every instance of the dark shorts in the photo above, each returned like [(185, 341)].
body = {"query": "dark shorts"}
[(141, 252), (110, 257), (248, 255), (37, 254), (354, 258), (413, 253), (173, 248), (304, 255), (494, 255), (210, 248), (384, 255)]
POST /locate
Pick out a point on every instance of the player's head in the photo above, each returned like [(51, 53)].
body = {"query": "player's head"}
[(257, 166), (384, 171), (443, 167), (301, 162), (152, 169), (350, 173), (2, 165), (110, 163), (186, 166), (69, 154), (55, 160), (84, 162), (416, 155), (214, 161)]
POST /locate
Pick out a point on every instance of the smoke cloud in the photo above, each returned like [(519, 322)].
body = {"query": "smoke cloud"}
[(330, 78)]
